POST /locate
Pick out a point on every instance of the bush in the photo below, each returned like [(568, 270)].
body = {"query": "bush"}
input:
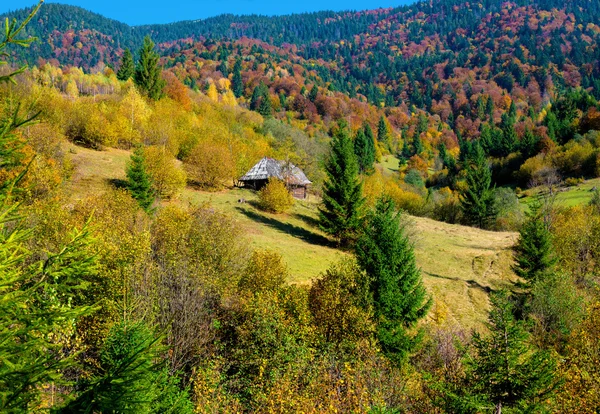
[(572, 181), (209, 165), (168, 179), (275, 197)]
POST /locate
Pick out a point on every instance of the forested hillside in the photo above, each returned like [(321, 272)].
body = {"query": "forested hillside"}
[(136, 276)]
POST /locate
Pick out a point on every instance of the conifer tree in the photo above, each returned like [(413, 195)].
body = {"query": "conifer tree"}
[(364, 149), (40, 299), (148, 75), (507, 370), (417, 143), (529, 144), (312, 96), (130, 379), (405, 154), (237, 84), (257, 95), (399, 297), (383, 133), (265, 108), (341, 212), (138, 180), (477, 200), (127, 69), (533, 251)]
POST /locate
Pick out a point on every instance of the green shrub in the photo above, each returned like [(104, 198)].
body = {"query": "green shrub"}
[(275, 197)]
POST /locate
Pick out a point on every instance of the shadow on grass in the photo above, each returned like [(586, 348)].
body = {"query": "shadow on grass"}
[(117, 182), (308, 220), (288, 228), (471, 283)]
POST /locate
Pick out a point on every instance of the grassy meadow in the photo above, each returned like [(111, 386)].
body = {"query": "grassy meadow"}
[(460, 265)]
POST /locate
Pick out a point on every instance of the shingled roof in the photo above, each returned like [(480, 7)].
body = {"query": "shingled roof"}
[(269, 167)]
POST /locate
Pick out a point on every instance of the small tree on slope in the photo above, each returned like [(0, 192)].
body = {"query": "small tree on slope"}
[(138, 180), (533, 251), (341, 212), (399, 297)]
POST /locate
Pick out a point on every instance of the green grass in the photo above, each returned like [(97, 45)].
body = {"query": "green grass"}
[(567, 196), (390, 164), (460, 265), (294, 235)]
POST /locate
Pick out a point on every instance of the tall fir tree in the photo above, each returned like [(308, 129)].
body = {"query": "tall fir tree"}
[(148, 75), (383, 132), (265, 108), (529, 144), (342, 210), (507, 140), (314, 92), (138, 180), (129, 379), (127, 68), (533, 252), (237, 85), (364, 149), (399, 297), (477, 200), (506, 370)]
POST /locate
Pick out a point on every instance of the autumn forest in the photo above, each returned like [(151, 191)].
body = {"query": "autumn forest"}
[(440, 252)]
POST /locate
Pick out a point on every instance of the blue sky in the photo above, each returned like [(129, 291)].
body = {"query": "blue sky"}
[(136, 12)]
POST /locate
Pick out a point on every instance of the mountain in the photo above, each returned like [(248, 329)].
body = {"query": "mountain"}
[(441, 72)]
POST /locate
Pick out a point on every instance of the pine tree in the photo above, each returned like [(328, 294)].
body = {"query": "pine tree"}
[(405, 154), (533, 251), (383, 133), (237, 84), (529, 144), (507, 370), (508, 139), (148, 75), (130, 379), (417, 144), (138, 180), (477, 200), (40, 299), (399, 297), (127, 69), (312, 96), (364, 149), (265, 108), (341, 212), (257, 94)]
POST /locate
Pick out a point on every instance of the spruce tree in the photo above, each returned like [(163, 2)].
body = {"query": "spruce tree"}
[(383, 133), (127, 69), (148, 72), (417, 143), (256, 97), (130, 379), (533, 251), (506, 370), (477, 200), (265, 108), (41, 300), (399, 297), (138, 180), (529, 144), (312, 96), (364, 149), (237, 84), (341, 212)]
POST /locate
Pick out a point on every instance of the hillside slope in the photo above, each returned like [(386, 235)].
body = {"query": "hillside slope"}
[(460, 265)]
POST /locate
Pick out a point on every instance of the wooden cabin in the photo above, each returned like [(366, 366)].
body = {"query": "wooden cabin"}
[(294, 178)]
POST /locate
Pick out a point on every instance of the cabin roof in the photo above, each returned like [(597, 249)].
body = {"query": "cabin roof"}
[(269, 167)]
